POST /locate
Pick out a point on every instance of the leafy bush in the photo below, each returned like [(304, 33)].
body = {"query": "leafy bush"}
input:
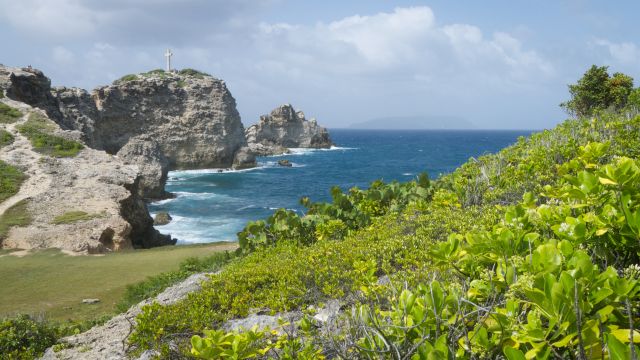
[(504, 236), (23, 337), (156, 284), (194, 73), (16, 215), (6, 138), (597, 90), (346, 213), (8, 114), (127, 78), (38, 130), (70, 217), (10, 180)]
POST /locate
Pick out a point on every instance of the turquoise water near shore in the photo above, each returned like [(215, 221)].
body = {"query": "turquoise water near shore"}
[(213, 206)]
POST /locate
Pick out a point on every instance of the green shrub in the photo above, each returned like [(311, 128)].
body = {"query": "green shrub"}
[(38, 130), (10, 180), (8, 114), (1, 94), (23, 337), (495, 235), (70, 217), (6, 138), (16, 215), (127, 78), (193, 72), (155, 284)]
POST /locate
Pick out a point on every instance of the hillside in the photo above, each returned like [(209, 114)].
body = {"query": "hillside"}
[(532, 250)]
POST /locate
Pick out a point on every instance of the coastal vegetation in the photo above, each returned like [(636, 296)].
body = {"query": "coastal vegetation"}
[(16, 215), (70, 217), (6, 138), (8, 114), (10, 180), (38, 130), (529, 253)]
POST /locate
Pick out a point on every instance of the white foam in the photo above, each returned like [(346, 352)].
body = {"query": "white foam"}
[(207, 171), (307, 151), (407, 174)]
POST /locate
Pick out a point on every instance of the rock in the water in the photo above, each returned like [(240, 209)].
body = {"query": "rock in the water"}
[(145, 152), (244, 159), (285, 128), (285, 163), (162, 218), (90, 301)]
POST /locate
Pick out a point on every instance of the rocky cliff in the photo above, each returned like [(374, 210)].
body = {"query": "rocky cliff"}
[(285, 128), (190, 116), (84, 203)]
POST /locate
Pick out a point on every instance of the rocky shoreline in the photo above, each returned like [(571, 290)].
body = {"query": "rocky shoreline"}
[(134, 132)]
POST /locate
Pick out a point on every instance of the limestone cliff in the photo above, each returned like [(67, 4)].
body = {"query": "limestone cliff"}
[(100, 189), (285, 128), (191, 116)]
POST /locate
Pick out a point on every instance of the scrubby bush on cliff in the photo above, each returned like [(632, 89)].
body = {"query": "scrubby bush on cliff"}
[(192, 72), (6, 138), (507, 239), (38, 130), (10, 180), (8, 114)]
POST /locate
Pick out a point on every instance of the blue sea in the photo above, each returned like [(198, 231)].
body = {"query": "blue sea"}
[(213, 206)]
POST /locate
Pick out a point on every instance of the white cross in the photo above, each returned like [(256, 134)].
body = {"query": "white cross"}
[(168, 55)]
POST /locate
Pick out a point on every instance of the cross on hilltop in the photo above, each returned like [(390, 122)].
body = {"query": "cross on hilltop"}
[(168, 54)]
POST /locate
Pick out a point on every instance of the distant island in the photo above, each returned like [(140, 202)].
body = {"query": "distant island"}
[(415, 123)]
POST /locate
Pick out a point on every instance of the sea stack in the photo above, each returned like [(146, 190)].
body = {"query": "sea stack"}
[(286, 128)]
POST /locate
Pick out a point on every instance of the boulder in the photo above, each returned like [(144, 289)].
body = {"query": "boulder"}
[(244, 159), (285, 128), (153, 166), (162, 218)]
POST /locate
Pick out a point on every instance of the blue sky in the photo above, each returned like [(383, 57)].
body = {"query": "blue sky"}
[(498, 64)]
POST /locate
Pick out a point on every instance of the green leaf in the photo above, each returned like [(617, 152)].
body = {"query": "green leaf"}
[(513, 354), (617, 350)]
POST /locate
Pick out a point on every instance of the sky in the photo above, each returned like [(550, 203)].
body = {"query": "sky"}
[(497, 64)]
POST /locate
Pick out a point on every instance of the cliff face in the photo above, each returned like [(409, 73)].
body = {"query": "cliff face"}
[(192, 118), (100, 189), (285, 128)]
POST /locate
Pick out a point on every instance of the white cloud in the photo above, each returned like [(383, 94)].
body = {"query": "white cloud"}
[(625, 52), (405, 41)]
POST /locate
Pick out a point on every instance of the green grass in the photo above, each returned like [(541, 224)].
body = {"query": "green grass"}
[(10, 180), (17, 215), (53, 283), (193, 72), (126, 78), (8, 114), (6, 138), (38, 130), (70, 217)]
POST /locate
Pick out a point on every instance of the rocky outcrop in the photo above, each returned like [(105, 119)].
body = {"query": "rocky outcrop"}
[(98, 185), (193, 119), (285, 128), (153, 166)]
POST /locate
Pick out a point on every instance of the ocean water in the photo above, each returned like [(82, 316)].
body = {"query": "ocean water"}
[(213, 206)]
